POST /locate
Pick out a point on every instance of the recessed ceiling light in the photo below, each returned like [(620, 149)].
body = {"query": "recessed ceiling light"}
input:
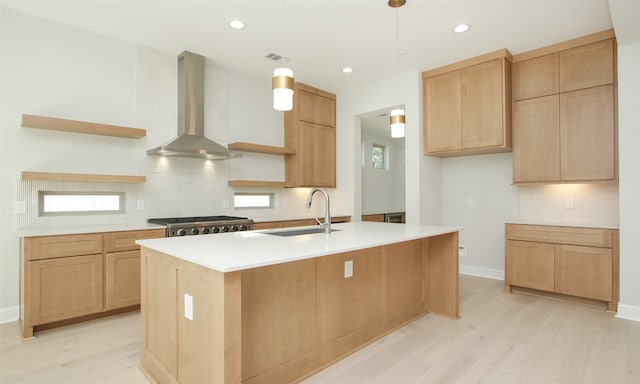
[(347, 70), (237, 24), (461, 28)]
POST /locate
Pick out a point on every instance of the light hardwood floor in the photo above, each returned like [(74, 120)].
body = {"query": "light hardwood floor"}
[(501, 338)]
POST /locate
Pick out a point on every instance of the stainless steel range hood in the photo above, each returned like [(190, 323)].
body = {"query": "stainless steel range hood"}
[(191, 141)]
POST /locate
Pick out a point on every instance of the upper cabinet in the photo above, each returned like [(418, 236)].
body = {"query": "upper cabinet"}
[(564, 112), (310, 128), (467, 106)]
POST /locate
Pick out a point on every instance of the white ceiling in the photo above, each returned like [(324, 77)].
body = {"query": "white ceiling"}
[(321, 37)]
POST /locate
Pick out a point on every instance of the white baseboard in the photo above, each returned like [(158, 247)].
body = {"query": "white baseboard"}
[(628, 311), (9, 314), (495, 274)]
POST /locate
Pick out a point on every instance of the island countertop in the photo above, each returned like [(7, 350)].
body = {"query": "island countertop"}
[(236, 251)]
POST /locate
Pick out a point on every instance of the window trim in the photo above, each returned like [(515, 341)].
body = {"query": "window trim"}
[(41, 196)]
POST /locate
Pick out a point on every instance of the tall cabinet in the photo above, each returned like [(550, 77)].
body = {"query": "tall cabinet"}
[(311, 128), (564, 122)]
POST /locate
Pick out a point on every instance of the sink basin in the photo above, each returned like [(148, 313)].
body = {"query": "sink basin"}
[(297, 232)]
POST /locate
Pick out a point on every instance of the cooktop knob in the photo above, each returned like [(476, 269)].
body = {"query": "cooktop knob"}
[(205, 231), (244, 227), (215, 229), (194, 231), (225, 229), (181, 232), (234, 228)]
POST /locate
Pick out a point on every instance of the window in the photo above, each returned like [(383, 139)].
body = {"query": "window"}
[(378, 156), (79, 203), (253, 200)]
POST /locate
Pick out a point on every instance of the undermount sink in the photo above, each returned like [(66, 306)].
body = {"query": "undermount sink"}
[(297, 232)]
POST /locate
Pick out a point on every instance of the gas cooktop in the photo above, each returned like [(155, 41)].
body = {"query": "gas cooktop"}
[(203, 225)]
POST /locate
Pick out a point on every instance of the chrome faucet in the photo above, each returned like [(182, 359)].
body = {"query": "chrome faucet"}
[(327, 215)]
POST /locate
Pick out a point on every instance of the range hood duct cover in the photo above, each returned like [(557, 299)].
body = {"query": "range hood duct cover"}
[(191, 141)]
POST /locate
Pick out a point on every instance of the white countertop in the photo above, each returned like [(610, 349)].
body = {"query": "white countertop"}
[(235, 251), (64, 230)]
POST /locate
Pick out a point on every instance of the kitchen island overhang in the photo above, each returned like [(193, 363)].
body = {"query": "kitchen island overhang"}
[(256, 308)]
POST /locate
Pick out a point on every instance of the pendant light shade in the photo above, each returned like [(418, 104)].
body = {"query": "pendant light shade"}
[(397, 123), (282, 85)]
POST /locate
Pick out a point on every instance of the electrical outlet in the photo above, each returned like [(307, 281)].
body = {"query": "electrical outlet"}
[(348, 269), (188, 306), (462, 251), (225, 204), (469, 202), (570, 203), (140, 205)]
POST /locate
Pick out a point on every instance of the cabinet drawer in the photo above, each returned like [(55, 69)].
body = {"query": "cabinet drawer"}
[(49, 247), (593, 237), (125, 241)]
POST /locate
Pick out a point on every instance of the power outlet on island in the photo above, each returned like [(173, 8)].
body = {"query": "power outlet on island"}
[(462, 250), (188, 306), (348, 269)]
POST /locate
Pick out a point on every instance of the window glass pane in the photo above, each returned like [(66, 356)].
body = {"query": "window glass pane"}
[(253, 200), (377, 156), (76, 203)]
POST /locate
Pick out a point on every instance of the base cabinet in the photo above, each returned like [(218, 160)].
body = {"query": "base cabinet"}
[(65, 287), (574, 261), (66, 277)]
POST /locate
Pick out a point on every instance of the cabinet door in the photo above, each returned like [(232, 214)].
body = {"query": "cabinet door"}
[(482, 105), (64, 288), (587, 134), (584, 271), (317, 155), (442, 113), (316, 109), (536, 140), (535, 77), (530, 265), (587, 66), (122, 279)]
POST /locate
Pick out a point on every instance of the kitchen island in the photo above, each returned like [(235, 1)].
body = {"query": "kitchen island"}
[(254, 307)]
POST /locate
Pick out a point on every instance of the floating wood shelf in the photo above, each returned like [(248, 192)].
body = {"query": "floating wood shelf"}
[(259, 148), (83, 177), (258, 183), (56, 124)]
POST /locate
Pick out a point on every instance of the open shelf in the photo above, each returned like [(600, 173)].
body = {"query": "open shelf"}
[(259, 148), (258, 183), (56, 124), (83, 177)]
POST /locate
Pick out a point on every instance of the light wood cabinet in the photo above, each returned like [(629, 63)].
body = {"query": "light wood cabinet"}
[(296, 223), (575, 261), (62, 288), (378, 218), (467, 106), (66, 277), (310, 128), (564, 112)]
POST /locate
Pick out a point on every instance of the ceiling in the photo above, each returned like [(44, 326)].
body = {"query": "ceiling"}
[(322, 37)]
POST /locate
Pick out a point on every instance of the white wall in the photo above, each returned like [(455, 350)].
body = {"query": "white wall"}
[(383, 189), (629, 157), (478, 195)]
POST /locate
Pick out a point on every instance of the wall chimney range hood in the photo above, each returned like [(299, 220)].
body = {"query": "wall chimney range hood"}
[(191, 141)]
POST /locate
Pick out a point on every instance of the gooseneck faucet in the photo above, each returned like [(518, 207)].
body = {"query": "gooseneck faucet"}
[(327, 215)]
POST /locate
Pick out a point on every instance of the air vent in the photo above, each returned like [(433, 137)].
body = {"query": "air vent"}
[(277, 58)]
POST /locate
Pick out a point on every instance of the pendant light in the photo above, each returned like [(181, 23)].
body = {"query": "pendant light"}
[(282, 82), (397, 117)]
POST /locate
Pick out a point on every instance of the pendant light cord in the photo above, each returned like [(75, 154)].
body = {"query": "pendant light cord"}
[(396, 59)]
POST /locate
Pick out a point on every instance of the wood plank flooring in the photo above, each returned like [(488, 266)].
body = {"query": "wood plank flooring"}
[(501, 338)]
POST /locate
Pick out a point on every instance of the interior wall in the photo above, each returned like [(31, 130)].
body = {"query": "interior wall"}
[(478, 195), (383, 189), (629, 158)]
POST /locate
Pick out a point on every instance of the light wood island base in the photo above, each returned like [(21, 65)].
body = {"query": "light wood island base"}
[(284, 322)]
